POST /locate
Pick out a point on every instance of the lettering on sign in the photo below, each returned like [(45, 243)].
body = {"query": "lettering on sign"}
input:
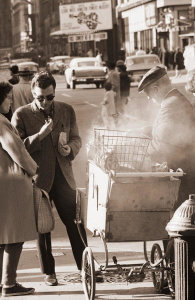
[(86, 17), (88, 37)]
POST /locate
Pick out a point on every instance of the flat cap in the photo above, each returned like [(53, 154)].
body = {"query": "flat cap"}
[(151, 76), (25, 70)]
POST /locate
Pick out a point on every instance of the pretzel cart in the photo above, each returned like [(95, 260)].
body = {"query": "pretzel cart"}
[(124, 203)]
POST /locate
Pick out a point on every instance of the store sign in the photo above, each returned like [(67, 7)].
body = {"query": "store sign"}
[(167, 3), (150, 14), (88, 37), (86, 17), (175, 28)]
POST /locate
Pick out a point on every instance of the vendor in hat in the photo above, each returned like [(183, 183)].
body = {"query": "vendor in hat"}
[(174, 128), (22, 94)]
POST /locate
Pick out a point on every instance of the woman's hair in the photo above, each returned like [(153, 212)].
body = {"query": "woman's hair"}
[(14, 69), (5, 88), (43, 80), (110, 65), (122, 68)]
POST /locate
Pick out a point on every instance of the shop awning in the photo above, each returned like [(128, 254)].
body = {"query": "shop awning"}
[(63, 32), (58, 32), (185, 35)]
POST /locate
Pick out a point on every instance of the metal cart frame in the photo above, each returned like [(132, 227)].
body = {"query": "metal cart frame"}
[(118, 163)]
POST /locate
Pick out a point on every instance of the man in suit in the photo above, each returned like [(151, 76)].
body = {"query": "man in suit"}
[(40, 124), (173, 132), (22, 90)]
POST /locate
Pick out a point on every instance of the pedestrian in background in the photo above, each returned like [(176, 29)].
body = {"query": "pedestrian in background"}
[(167, 58), (14, 74), (90, 53), (140, 51), (124, 85), (114, 79), (17, 221), (51, 136), (22, 91), (108, 107), (13, 80), (171, 60), (179, 62), (99, 57)]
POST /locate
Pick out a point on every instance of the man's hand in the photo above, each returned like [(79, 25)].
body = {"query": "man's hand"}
[(46, 129), (64, 150)]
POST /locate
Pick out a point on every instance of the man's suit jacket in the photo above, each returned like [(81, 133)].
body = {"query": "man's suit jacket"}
[(22, 94), (28, 120)]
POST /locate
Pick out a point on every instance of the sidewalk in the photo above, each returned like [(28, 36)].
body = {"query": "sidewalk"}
[(70, 287), (180, 79)]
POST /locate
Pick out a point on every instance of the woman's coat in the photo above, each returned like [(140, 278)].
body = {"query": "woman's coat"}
[(17, 220)]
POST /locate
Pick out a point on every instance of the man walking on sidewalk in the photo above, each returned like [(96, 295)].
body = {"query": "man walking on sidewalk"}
[(40, 124)]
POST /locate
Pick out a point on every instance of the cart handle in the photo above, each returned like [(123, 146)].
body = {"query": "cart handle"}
[(148, 174)]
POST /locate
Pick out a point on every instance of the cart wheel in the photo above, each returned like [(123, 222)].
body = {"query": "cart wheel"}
[(170, 262), (88, 274), (157, 276)]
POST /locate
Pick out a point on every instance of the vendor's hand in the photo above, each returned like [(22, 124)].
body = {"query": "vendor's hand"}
[(64, 150), (146, 130), (46, 129)]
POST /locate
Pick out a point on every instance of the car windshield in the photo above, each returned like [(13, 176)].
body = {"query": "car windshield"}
[(87, 64), (142, 60)]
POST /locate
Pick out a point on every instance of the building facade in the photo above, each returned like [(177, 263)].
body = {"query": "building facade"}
[(5, 28), (86, 25), (20, 26), (165, 24)]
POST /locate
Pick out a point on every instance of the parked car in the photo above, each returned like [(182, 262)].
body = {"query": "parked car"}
[(58, 64), (85, 70), (137, 66), (20, 60), (4, 64)]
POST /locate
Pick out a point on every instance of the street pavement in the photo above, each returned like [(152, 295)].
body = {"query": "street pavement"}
[(70, 286)]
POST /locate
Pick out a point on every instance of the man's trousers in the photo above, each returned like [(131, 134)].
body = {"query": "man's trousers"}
[(65, 202)]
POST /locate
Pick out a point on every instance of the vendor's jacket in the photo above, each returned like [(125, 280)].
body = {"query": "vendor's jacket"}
[(174, 136)]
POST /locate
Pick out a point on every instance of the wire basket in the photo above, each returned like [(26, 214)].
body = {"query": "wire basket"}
[(115, 150)]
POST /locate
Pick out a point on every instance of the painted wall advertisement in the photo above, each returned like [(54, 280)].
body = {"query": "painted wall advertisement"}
[(86, 17)]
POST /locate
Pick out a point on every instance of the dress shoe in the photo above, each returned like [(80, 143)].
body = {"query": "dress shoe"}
[(51, 280), (16, 290)]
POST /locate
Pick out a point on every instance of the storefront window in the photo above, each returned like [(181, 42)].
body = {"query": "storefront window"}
[(146, 39)]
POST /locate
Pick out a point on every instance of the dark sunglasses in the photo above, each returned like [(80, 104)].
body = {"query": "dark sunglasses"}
[(48, 98)]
